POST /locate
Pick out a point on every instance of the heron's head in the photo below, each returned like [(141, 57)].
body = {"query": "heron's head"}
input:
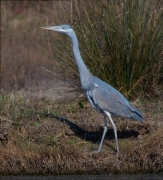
[(64, 28)]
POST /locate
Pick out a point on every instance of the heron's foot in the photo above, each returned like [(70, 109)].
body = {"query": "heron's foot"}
[(116, 153), (92, 152), (96, 151)]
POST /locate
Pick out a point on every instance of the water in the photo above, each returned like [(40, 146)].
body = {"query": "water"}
[(88, 177)]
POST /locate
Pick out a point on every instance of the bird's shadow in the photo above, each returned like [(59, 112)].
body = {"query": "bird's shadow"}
[(95, 136)]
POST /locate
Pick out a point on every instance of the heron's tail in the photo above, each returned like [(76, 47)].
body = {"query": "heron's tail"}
[(137, 116)]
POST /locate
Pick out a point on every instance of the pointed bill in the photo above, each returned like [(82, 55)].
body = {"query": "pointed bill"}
[(54, 28)]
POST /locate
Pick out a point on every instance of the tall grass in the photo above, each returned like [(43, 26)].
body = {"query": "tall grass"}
[(120, 42)]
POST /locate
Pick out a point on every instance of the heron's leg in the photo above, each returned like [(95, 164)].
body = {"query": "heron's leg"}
[(114, 128), (103, 135)]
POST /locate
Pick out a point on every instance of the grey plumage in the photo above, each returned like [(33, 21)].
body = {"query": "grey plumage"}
[(103, 97)]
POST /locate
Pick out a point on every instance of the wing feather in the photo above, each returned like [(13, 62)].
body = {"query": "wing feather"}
[(102, 96)]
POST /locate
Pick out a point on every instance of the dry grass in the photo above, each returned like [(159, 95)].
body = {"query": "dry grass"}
[(25, 63), (40, 136), (47, 137)]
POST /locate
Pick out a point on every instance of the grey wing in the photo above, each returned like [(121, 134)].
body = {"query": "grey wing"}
[(104, 97)]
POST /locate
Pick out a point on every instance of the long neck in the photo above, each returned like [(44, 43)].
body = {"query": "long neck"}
[(85, 75)]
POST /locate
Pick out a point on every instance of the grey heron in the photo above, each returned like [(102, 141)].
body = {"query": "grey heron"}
[(104, 98)]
